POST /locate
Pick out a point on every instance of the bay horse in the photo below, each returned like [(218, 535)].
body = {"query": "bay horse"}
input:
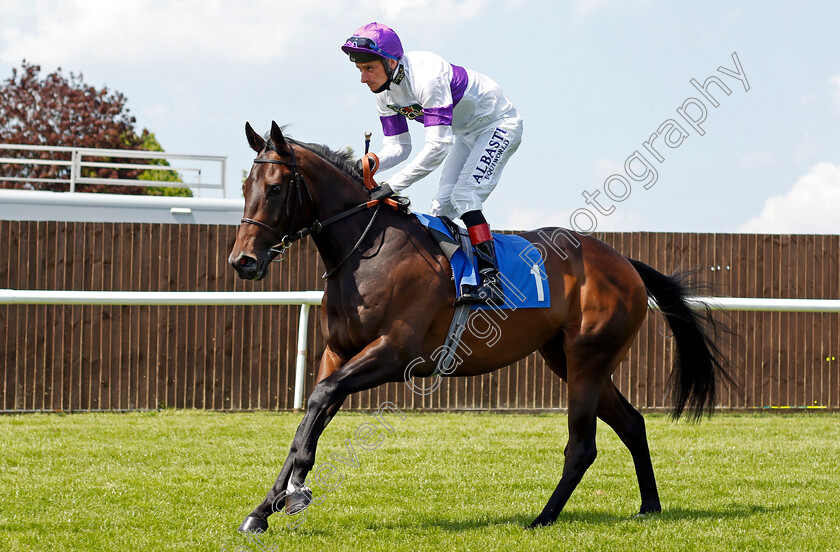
[(389, 300)]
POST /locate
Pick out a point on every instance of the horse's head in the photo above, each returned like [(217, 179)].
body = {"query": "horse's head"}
[(277, 203)]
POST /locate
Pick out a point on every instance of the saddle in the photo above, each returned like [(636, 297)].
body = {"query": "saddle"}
[(449, 244)]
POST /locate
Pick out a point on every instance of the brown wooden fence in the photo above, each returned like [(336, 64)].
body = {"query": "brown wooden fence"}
[(242, 358)]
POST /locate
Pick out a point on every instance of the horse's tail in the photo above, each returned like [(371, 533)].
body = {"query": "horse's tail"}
[(698, 362)]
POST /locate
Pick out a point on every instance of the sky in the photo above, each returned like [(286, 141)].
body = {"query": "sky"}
[(617, 137)]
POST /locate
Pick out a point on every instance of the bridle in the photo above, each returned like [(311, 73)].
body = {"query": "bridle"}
[(279, 249), (297, 181)]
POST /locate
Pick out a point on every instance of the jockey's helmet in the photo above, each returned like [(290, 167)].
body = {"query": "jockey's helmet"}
[(373, 41)]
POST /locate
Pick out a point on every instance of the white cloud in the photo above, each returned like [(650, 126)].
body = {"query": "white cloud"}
[(141, 32), (15, 8), (139, 36), (811, 206)]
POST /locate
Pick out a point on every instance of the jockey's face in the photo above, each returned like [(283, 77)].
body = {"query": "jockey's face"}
[(373, 73)]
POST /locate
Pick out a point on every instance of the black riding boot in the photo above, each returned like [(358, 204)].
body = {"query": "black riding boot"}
[(489, 291)]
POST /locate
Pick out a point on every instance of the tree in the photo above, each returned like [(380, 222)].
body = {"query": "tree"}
[(59, 110), (150, 143)]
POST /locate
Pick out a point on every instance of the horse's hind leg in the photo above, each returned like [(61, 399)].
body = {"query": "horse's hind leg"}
[(586, 384), (629, 425)]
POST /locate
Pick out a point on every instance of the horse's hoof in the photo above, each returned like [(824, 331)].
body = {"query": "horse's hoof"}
[(253, 525), (540, 522), (645, 510), (298, 500)]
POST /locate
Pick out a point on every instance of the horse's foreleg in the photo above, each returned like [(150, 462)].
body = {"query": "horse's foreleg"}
[(364, 371), (275, 500), (277, 495), (375, 365)]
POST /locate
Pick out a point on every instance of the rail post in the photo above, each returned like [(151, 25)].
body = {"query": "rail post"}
[(75, 168), (300, 361)]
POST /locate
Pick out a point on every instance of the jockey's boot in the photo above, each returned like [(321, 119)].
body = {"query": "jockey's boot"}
[(489, 291)]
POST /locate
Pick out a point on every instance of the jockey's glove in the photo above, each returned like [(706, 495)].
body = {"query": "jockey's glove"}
[(381, 191)]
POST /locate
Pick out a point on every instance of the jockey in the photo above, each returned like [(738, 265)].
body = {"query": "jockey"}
[(467, 120)]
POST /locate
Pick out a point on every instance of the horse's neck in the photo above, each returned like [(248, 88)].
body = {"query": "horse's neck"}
[(336, 193), (360, 240)]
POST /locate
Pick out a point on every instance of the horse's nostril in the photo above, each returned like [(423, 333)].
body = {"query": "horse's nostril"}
[(244, 263)]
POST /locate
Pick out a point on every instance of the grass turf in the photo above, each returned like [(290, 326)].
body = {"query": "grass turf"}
[(184, 480)]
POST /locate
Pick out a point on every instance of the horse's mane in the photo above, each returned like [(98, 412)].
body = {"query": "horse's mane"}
[(341, 159)]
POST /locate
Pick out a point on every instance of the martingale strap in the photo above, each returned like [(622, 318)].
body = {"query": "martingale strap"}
[(368, 171), (370, 164)]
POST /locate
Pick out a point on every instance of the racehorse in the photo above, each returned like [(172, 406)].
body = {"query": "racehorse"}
[(389, 300)]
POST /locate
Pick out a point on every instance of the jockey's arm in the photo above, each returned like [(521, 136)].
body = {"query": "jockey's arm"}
[(395, 150), (438, 143)]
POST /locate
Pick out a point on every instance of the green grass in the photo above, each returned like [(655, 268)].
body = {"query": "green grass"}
[(184, 480)]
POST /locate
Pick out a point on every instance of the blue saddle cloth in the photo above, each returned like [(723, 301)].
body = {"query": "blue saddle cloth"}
[(521, 267)]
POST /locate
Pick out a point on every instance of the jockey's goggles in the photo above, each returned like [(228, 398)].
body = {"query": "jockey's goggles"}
[(368, 44)]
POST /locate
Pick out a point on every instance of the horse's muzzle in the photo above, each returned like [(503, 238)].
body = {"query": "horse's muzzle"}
[(248, 267)]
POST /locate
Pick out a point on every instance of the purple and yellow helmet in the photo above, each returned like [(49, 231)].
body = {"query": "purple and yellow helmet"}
[(374, 39)]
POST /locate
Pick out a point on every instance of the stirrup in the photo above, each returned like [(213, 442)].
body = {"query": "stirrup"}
[(489, 292)]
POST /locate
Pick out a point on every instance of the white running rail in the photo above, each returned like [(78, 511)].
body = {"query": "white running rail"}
[(80, 158), (308, 298), (183, 298)]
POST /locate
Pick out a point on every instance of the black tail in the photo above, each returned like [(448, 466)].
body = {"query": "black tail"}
[(698, 362)]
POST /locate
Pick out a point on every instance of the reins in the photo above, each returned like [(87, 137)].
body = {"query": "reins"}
[(297, 179)]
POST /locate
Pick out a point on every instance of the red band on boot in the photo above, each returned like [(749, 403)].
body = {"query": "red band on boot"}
[(480, 233)]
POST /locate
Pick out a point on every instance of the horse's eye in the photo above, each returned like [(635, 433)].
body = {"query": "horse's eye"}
[(276, 189)]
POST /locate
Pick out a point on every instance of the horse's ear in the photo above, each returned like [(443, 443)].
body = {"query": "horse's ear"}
[(254, 140), (277, 135)]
